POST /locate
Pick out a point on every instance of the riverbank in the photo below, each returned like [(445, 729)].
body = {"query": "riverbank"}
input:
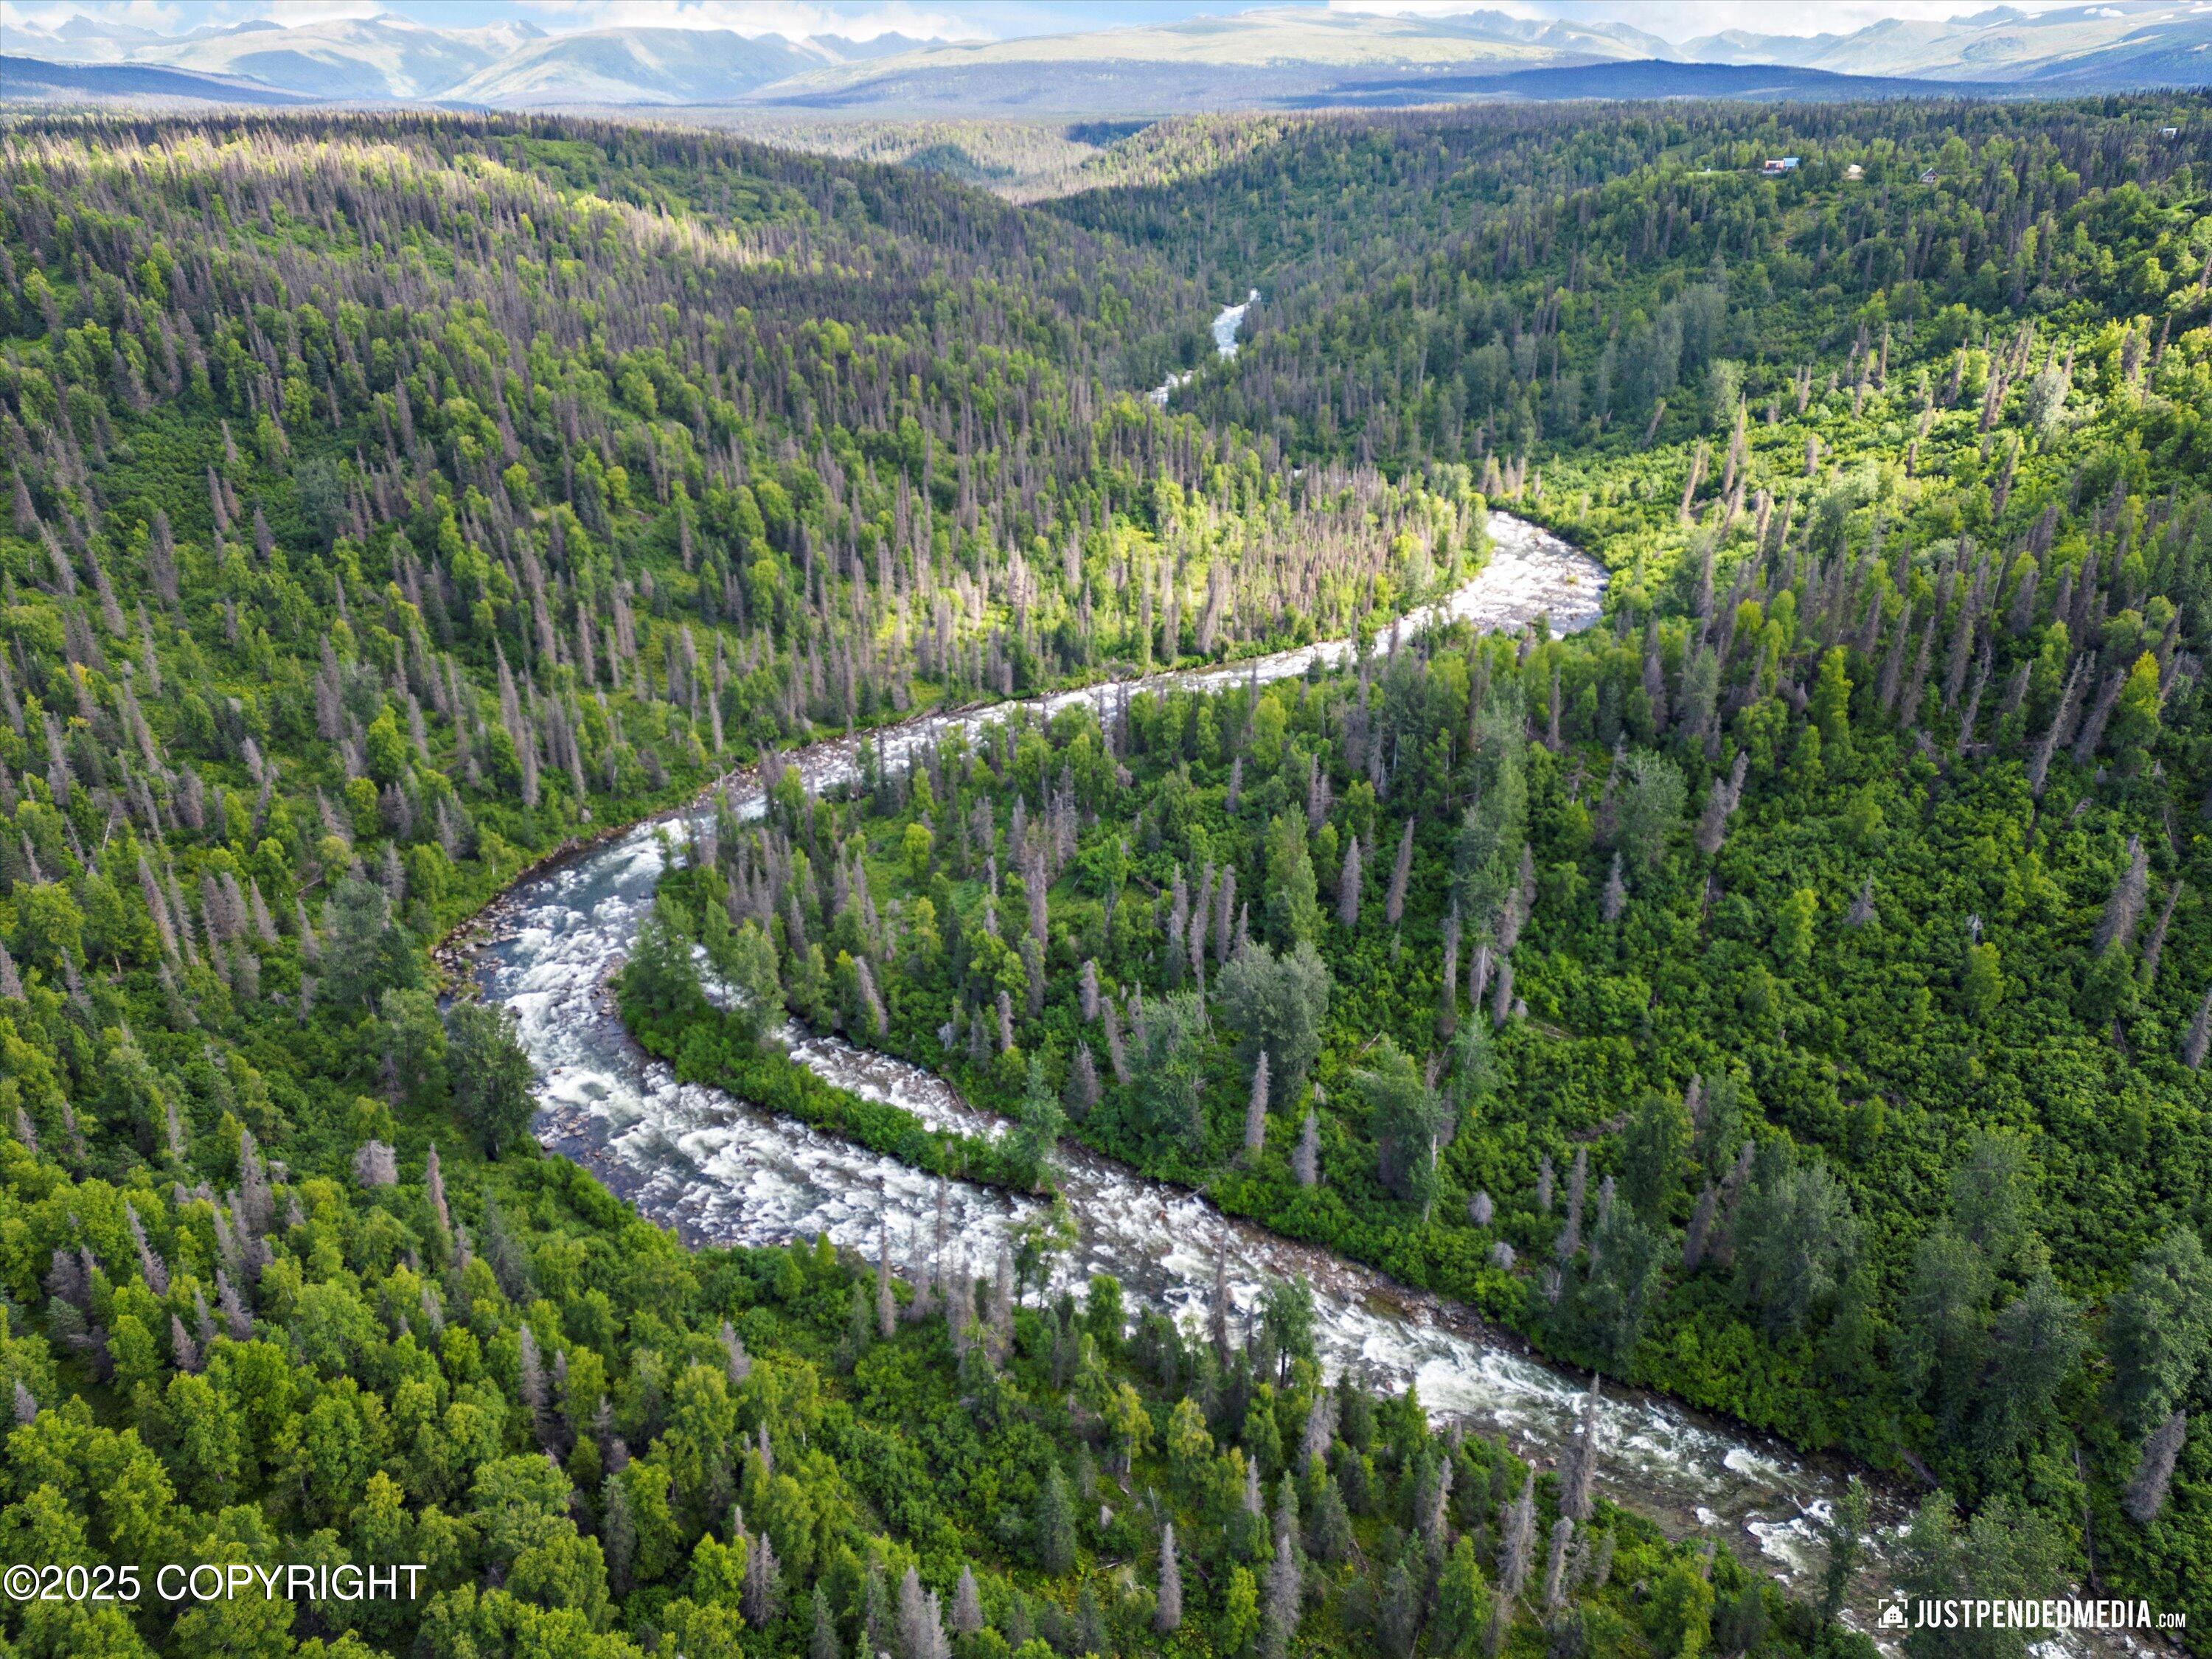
[(718, 1171)]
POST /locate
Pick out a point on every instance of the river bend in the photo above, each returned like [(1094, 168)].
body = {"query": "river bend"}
[(718, 1170)]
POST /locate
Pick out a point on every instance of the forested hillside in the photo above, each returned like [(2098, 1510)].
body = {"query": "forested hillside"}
[(393, 501), (1792, 995)]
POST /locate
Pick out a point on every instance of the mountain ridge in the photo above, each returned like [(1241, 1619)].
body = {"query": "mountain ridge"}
[(36, 78), (1288, 56)]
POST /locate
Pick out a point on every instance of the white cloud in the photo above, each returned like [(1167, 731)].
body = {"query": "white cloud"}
[(161, 17), (966, 20), (1684, 20), (794, 19), (294, 13)]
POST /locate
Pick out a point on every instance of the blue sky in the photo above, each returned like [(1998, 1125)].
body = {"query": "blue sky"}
[(972, 19)]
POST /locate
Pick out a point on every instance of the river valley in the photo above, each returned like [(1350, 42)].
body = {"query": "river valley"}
[(718, 1170)]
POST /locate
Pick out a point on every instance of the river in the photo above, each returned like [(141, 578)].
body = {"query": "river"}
[(720, 1171), (1227, 322)]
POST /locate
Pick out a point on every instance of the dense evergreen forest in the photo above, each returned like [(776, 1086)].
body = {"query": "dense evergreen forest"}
[(1792, 995)]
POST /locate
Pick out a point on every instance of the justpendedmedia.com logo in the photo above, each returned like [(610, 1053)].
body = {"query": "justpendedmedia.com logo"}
[(1901, 1613)]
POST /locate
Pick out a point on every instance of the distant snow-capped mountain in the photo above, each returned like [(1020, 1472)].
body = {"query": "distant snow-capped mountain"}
[(1298, 55)]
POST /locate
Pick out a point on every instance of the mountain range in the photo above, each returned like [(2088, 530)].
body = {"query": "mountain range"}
[(1291, 56), (388, 59)]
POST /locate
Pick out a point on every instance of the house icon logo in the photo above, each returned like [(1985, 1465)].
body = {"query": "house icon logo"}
[(1893, 1613)]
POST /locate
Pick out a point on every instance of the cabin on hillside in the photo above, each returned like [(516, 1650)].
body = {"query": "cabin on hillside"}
[(1780, 165)]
